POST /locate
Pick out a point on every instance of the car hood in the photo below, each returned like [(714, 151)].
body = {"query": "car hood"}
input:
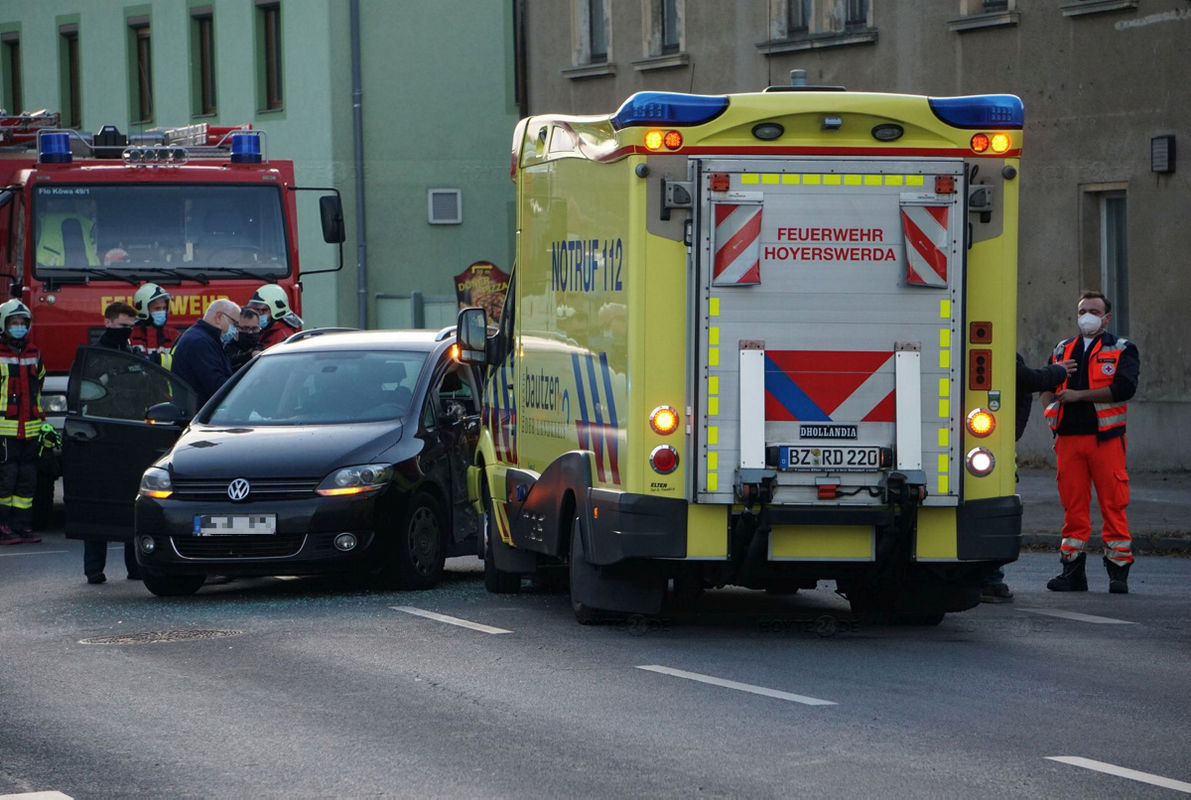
[(309, 451)]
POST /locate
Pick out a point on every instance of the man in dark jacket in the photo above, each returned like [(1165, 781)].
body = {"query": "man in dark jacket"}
[(1029, 381), (118, 321), (199, 358)]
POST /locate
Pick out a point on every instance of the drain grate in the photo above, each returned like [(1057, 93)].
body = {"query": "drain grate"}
[(157, 637)]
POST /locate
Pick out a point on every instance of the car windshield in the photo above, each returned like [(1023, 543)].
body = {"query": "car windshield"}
[(322, 388), (142, 230)]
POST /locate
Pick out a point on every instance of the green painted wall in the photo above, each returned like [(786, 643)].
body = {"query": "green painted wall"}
[(437, 106)]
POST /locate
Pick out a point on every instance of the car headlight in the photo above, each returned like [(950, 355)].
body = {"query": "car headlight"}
[(356, 480), (53, 403), (156, 483)]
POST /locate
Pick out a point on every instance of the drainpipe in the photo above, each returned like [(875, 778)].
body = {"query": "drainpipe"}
[(358, 131)]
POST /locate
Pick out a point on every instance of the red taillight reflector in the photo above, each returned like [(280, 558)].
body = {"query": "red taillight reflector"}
[(944, 184), (663, 459), (672, 140), (720, 182), (980, 143)]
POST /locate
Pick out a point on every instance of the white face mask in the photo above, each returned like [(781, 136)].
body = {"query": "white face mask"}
[(1089, 324)]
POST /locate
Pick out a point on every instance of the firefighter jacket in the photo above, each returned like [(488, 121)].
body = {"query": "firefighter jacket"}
[(21, 375), (1109, 362), (278, 331), (153, 342)]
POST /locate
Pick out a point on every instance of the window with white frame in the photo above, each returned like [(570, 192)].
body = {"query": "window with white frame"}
[(797, 20), (591, 33)]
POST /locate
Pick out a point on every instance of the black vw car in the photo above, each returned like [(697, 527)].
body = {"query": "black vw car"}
[(334, 452)]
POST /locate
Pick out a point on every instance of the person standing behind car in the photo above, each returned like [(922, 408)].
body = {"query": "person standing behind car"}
[(21, 417), (278, 322), (248, 339), (151, 335), (199, 358), (1029, 381), (118, 321)]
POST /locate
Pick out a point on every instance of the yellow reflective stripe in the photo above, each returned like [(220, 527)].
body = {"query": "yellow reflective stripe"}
[(8, 427), (4, 501), (22, 502)]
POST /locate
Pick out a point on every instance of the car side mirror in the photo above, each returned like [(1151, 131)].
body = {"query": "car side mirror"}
[(471, 332), (165, 414)]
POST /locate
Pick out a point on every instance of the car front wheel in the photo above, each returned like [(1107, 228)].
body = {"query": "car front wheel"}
[(419, 548)]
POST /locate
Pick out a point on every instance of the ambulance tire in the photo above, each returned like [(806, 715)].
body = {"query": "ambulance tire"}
[(584, 614), (495, 580)]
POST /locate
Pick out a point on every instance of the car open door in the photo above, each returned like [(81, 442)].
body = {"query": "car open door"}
[(107, 442)]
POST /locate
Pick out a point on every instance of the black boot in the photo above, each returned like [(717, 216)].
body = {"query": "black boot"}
[(1072, 578), (1118, 577)]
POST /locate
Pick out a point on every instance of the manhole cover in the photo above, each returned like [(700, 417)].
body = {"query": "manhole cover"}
[(157, 637)]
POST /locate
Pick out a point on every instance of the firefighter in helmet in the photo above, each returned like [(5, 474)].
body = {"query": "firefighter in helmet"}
[(151, 336), (21, 421), (278, 322)]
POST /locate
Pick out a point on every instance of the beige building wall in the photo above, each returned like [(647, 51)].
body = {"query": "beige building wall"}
[(1100, 79)]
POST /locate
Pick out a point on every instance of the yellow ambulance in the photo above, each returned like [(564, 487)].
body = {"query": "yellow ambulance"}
[(759, 339)]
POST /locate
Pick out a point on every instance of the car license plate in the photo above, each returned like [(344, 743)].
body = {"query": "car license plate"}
[(234, 524), (836, 459)]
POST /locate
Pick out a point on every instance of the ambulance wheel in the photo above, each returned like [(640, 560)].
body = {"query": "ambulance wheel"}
[(171, 585), (584, 614), (495, 580), (43, 502)]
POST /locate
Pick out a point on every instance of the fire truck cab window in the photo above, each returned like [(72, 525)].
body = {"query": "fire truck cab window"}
[(141, 230)]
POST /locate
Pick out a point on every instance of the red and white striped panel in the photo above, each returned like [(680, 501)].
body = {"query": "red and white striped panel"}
[(737, 245), (925, 229)]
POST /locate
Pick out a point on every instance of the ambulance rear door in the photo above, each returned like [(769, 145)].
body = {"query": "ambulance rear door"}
[(830, 303)]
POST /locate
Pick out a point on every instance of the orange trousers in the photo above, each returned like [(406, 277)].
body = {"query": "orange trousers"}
[(1084, 462)]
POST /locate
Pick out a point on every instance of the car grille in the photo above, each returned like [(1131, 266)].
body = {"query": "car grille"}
[(262, 488), (243, 546)]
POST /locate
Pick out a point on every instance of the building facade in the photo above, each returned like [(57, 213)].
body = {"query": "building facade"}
[(437, 105), (1104, 199)]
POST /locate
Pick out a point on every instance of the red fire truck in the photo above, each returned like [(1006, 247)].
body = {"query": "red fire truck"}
[(88, 218)]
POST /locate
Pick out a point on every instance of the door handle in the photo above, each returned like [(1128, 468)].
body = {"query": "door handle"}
[(82, 436)]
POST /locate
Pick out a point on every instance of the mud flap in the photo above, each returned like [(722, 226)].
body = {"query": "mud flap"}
[(627, 588)]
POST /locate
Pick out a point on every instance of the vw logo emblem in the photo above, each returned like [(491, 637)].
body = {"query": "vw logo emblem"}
[(238, 489)]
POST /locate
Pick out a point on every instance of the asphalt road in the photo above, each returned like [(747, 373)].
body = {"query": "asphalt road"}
[(304, 688)]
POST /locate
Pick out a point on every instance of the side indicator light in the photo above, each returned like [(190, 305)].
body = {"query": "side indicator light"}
[(981, 423), (663, 420), (654, 139), (1001, 142)]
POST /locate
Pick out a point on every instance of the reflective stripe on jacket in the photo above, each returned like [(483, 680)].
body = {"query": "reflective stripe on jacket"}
[(21, 374), (1102, 363)]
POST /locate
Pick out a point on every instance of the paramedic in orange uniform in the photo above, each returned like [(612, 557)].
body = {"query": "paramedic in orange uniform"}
[(1087, 415)]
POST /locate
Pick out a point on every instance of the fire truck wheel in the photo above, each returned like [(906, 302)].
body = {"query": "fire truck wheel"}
[(495, 581), (43, 502), (584, 614), (171, 585), (419, 549)]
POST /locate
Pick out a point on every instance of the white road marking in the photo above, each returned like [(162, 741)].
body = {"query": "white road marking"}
[(462, 623), (36, 796), (1078, 617), (32, 553), (1124, 772), (741, 687)]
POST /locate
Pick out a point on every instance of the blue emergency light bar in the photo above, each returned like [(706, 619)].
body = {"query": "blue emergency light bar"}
[(53, 148), (669, 108), (980, 111), (246, 148)]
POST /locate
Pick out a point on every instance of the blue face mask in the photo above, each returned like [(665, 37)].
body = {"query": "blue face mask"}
[(264, 321), (228, 335), (18, 331), (158, 317)]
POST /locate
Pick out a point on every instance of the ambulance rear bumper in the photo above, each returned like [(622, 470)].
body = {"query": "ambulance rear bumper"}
[(989, 530)]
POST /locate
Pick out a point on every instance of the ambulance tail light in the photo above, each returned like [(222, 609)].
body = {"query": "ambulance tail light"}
[(663, 459), (668, 108), (981, 423), (980, 461), (1003, 111), (663, 420)]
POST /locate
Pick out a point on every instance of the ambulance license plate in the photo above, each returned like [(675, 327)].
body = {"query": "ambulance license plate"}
[(836, 459), (234, 524)]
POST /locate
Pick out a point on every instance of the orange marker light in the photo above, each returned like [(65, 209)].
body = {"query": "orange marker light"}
[(454, 353), (980, 142), (663, 420), (981, 423), (1001, 142), (653, 140)]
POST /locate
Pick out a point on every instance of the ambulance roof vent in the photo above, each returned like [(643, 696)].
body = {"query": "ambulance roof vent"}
[(798, 84)]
